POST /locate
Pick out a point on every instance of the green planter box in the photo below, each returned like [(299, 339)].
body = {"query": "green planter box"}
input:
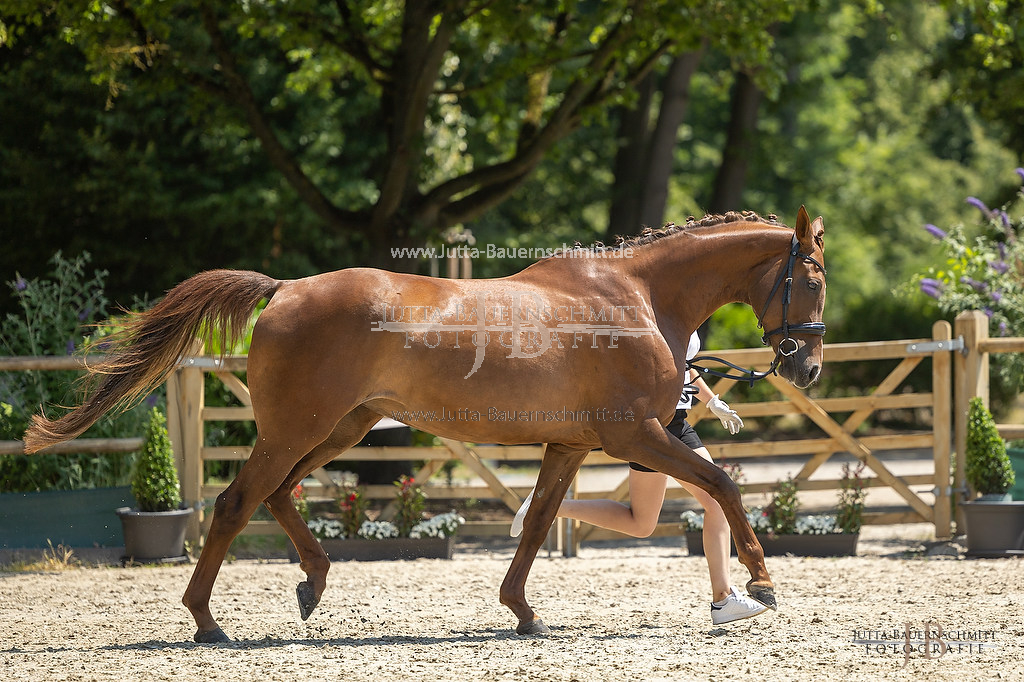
[(1017, 460), (73, 518), (832, 544)]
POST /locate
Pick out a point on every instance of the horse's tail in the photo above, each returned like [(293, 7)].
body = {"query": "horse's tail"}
[(144, 352)]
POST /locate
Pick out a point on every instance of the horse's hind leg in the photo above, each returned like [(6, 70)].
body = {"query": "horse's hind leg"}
[(273, 458), (314, 562), (557, 470)]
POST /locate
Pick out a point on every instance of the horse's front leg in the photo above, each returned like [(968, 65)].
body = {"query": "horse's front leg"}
[(557, 470), (653, 446)]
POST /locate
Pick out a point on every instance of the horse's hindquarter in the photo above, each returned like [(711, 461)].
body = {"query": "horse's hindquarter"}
[(534, 358)]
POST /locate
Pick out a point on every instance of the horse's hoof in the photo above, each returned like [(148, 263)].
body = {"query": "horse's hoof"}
[(307, 599), (534, 627), (214, 636), (763, 595)]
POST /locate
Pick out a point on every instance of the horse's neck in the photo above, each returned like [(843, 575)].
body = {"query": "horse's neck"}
[(691, 274)]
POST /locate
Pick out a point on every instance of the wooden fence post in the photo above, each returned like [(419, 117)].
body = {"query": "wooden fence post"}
[(185, 401), (971, 380), (941, 395)]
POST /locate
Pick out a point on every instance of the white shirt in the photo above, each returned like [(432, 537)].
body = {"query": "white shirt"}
[(686, 399)]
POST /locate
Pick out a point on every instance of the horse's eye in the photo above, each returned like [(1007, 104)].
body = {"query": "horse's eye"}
[(813, 284)]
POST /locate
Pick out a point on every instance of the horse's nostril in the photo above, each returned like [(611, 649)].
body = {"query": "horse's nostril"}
[(813, 374)]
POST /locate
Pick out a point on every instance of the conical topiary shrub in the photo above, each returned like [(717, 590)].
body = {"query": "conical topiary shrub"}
[(155, 485), (987, 466), (155, 530)]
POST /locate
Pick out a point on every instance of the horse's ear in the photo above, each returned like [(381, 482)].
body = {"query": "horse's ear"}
[(808, 233), (818, 230)]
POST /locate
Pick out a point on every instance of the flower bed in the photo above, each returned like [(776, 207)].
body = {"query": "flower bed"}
[(352, 536), (440, 526), (781, 530)]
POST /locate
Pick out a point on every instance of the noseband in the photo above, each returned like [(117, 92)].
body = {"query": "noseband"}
[(788, 345)]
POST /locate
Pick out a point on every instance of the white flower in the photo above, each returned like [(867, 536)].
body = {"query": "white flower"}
[(758, 521), (815, 524), (440, 526), (692, 521), (378, 530), (820, 524), (326, 528)]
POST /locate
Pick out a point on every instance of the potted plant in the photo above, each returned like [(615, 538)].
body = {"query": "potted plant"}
[(781, 529), (852, 495), (350, 534), (155, 529), (995, 523)]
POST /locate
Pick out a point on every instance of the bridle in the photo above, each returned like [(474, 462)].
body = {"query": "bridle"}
[(788, 345)]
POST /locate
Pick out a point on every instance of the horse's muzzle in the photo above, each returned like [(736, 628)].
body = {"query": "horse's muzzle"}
[(800, 373)]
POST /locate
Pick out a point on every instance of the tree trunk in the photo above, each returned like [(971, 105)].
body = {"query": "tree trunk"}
[(643, 164), (727, 192), (630, 164), (661, 150)]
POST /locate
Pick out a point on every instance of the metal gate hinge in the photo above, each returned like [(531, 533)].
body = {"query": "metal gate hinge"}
[(932, 346)]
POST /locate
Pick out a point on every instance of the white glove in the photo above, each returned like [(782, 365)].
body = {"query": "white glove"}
[(730, 419)]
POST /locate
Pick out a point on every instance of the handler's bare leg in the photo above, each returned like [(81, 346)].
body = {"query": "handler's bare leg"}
[(640, 517), (653, 446)]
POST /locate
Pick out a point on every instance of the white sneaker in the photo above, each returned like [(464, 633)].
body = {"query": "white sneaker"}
[(517, 523), (736, 606)]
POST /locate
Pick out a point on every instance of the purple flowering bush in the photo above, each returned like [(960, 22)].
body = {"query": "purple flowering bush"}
[(57, 314), (984, 272)]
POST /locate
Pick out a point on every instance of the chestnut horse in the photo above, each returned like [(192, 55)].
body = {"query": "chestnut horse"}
[(581, 350)]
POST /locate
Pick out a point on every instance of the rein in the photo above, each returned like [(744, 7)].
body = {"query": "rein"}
[(785, 349)]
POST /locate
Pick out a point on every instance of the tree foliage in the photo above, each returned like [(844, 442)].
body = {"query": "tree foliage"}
[(441, 108), (305, 136)]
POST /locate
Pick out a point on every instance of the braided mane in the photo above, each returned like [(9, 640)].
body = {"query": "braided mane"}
[(649, 235)]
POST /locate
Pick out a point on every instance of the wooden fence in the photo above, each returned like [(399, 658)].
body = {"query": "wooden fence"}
[(188, 414), (958, 356)]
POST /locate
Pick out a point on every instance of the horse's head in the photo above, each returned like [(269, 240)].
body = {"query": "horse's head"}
[(792, 313)]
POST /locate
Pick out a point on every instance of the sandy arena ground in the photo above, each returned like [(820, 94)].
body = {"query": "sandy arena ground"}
[(619, 611)]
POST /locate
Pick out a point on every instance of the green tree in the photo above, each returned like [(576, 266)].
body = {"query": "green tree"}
[(392, 121), (984, 57), (866, 133)]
